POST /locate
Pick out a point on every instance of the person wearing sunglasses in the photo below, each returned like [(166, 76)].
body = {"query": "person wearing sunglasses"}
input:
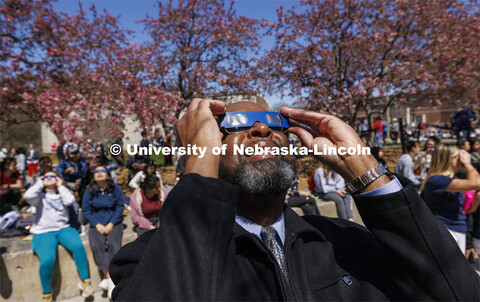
[(51, 199), (102, 205), (226, 234)]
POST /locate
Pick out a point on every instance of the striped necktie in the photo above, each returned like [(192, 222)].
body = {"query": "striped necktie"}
[(268, 235)]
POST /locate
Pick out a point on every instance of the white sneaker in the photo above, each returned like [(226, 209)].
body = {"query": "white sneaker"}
[(86, 288), (83, 230), (111, 286), (103, 284)]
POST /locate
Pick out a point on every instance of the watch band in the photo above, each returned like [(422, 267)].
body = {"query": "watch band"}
[(367, 178)]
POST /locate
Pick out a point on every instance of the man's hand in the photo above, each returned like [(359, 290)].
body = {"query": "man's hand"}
[(470, 251), (334, 133), (199, 127), (69, 170)]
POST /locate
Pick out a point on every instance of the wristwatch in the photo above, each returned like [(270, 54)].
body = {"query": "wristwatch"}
[(366, 179)]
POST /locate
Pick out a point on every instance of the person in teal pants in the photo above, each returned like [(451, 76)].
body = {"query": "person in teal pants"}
[(51, 228)]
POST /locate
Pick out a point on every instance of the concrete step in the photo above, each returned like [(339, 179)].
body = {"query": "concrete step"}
[(99, 296), (329, 209)]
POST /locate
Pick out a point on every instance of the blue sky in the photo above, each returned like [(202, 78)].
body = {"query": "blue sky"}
[(130, 11)]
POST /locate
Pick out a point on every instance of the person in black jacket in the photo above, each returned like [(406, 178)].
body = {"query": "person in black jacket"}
[(136, 164), (211, 244)]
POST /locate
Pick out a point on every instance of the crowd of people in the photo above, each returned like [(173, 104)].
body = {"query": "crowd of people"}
[(78, 193), (82, 194), (462, 125), (447, 177)]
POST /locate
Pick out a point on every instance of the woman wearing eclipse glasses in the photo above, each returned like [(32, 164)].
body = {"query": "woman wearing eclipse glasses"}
[(51, 199), (102, 207)]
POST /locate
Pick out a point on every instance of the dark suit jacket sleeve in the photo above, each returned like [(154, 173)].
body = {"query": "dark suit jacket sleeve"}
[(189, 256), (420, 255)]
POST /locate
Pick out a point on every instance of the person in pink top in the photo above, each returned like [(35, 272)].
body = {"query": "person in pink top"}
[(146, 203)]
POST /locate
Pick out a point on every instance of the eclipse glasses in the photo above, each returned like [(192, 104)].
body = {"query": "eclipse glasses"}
[(243, 120)]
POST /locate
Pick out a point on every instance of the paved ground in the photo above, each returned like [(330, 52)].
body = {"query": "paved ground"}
[(98, 297)]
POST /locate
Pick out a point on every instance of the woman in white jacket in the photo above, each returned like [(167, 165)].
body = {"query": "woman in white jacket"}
[(51, 228), (150, 168)]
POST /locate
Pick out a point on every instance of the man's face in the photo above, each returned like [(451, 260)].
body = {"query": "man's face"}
[(257, 175), (74, 156)]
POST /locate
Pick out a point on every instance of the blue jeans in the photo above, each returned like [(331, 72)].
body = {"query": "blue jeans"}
[(344, 204), (45, 246), (379, 139)]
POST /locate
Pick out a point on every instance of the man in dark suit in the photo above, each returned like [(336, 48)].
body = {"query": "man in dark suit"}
[(226, 234)]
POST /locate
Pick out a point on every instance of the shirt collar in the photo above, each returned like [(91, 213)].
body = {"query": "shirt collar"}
[(254, 228)]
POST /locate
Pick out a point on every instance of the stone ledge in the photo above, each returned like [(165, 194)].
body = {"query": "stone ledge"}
[(329, 209), (20, 280)]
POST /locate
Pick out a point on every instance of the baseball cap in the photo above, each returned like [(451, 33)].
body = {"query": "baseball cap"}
[(72, 149)]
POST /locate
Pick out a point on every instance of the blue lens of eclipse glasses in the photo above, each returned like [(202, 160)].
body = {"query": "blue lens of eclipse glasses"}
[(244, 120), (100, 170)]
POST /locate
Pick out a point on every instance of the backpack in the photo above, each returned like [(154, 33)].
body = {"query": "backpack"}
[(311, 182)]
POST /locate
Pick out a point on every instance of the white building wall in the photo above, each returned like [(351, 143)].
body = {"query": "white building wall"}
[(131, 135), (48, 138)]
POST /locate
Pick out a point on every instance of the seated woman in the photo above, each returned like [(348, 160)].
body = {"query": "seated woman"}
[(296, 198), (51, 228), (150, 168), (444, 192), (102, 205), (330, 186), (146, 203), (11, 182)]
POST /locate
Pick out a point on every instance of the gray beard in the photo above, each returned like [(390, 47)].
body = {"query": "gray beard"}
[(264, 178)]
